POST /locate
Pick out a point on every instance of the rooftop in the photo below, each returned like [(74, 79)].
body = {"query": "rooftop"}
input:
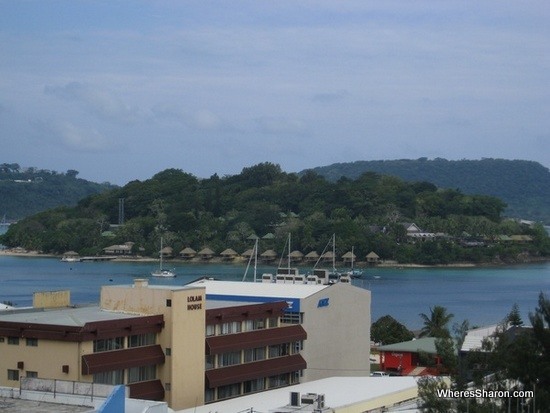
[(66, 316), (243, 289), (338, 391), (426, 344)]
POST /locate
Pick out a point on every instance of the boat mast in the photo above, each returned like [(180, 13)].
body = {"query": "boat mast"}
[(334, 253), (289, 253), (160, 255)]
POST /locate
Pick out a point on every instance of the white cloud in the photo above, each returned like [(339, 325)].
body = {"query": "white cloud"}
[(81, 139), (100, 102)]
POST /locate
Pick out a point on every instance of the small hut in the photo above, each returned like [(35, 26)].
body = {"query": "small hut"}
[(296, 256), (188, 253), (247, 254), (228, 254), (348, 257), (312, 256), (372, 257), (328, 256), (206, 254), (167, 252), (268, 255)]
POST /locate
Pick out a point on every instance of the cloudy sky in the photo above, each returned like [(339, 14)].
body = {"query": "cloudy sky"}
[(120, 90)]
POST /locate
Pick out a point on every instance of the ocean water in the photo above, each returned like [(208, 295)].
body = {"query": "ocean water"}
[(481, 295)]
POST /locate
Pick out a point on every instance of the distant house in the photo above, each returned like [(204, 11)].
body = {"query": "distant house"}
[(205, 254), (348, 257), (121, 249), (296, 256), (410, 357), (415, 233), (312, 256), (372, 257), (167, 252), (188, 253), (228, 254), (268, 255)]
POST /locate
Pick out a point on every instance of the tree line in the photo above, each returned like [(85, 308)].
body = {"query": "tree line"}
[(222, 212)]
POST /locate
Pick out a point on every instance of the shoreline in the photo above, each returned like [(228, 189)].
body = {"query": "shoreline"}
[(238, 261)]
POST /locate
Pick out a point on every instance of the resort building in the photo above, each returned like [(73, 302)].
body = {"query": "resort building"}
[(190, 345), (335, 317)]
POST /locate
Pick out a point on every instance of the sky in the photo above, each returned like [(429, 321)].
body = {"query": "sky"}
[(121, 90)]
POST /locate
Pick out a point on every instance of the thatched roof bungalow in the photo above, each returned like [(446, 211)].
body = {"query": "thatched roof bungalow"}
[(312, 256), (228, 254), (188, 253), (348, 257), (205, 254), (268, 255), (296, 255), (372, 257)]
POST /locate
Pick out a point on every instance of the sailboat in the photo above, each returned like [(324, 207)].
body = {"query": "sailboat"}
[(161, 272), (354, 273)]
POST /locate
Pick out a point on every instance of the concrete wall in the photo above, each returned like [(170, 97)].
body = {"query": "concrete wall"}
[(51, 299), (183, 334), (47, 359), (337, 321)]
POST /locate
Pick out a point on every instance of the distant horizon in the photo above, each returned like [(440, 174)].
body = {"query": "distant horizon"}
[(247, 166)]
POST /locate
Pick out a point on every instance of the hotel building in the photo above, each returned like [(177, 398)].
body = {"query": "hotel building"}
[(194, 344)]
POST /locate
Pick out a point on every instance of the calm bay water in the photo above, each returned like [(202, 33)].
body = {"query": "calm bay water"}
[(481, 295)]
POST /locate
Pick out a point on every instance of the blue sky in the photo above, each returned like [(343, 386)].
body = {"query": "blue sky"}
[(120, 90)]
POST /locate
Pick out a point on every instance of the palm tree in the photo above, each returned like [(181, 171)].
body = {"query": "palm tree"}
[(435, 325)]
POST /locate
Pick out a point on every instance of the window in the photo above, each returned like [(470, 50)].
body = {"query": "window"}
[(168, 386), (108, 344), (259, 324), (13, 340), (141, 340), (292, 318), (168, 351), (229, 359), (209, 362), (252, 386), (143, 373), (248, 325), (231, 327), (254, 354), (210, 330), (110, 377), (32, 342), (13, 375), (273, 322), (279, 350), (209, 395), (277, 381), (298, 346), (168, 303), (228, 391), (32, 374)]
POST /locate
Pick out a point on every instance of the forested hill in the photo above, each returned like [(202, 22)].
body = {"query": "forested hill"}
[(523, 185), (26, 191)]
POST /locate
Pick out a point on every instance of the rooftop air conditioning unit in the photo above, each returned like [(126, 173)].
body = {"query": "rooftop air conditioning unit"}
[(295, 399), (309, 398)]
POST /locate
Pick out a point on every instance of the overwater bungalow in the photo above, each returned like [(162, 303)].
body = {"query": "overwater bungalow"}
[(206, 254), (188, 253), (312, 256), (228, 254)]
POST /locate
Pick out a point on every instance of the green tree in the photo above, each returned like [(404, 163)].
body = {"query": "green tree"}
[(436, 323), (387, 330), (514, 317)]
